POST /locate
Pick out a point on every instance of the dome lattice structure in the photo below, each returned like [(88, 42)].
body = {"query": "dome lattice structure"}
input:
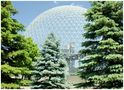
[(66, 22)]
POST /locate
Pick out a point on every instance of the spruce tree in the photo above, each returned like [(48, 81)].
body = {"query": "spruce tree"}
[(102, 65), (50, 69), (17, 52)]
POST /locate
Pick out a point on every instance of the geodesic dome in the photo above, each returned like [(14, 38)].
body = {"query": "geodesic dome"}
[(66, 22)]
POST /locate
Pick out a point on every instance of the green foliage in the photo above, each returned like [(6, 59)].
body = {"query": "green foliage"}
[(107, 80), (17, 52), (25, 82), (102, 65), (9, 86), (50, 68), (7, 69)]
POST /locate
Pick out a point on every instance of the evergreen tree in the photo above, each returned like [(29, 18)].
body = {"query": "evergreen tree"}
[(50, 69), (17, 52), (102, 65)]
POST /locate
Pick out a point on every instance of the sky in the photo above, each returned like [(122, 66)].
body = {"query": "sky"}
[(29, 10)]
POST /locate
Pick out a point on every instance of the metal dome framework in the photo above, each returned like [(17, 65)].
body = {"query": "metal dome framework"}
[(66, 22)]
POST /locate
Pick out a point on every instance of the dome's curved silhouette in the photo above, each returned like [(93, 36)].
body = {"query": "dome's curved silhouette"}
[(66, 22)]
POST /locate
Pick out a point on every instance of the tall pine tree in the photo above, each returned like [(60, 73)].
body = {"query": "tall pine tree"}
[(102, 65), (50, 69), (17, 52)]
